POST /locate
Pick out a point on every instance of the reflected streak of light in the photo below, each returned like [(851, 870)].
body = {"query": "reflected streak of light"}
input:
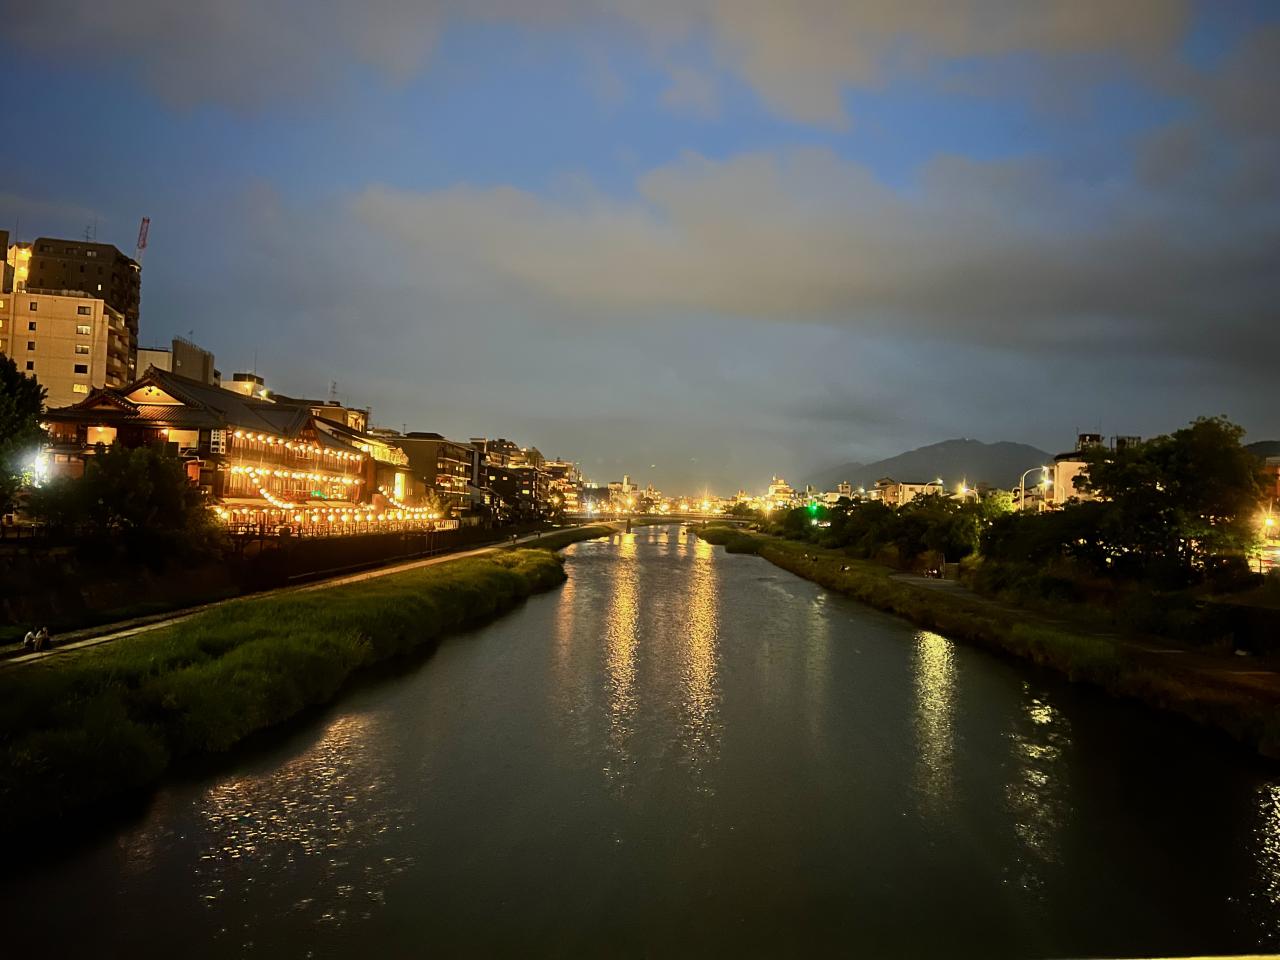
[(701, 692), (1268, 856), (817, 666), (935, 708), (621, 624), (1035, 794), (564, 627), (320, 805)]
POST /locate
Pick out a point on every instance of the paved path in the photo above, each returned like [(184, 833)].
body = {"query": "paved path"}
[(105, 633)]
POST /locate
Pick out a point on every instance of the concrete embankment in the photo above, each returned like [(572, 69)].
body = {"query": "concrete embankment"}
[(85, 731), (1224, 693)]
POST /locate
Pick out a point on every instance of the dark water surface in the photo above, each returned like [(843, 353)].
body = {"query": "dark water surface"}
[(682, 751)]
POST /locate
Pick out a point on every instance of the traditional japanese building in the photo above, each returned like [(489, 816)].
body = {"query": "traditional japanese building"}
[(261, 462)]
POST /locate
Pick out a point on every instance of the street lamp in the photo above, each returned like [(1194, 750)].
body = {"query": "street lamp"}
[(1022, 486)]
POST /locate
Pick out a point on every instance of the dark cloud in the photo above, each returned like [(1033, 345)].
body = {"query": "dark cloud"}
[(986, 253)]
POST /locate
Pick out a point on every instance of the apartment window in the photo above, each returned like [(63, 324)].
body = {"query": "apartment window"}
[(82, 268), (82, 368), (84, 311), (1, 304), (79, 388), (31, 344), (31, 364), (33, 306), (82, 329), (82, 348), (99, 288), (91, 253), (31, 325)]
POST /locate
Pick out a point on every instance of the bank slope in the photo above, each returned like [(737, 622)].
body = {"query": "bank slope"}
[(85, 729), (1246, 708)]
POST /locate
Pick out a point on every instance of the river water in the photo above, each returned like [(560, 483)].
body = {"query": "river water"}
[(686, 752)]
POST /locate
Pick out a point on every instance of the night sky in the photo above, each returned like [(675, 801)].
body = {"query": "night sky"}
[(724, 239)]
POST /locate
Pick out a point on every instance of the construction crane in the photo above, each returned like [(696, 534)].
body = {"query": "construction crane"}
[(143, 229)]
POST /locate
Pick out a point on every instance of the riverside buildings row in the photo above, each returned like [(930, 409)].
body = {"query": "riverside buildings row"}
[(69, 314)]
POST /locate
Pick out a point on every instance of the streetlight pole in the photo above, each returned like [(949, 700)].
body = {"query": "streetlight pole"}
[(1022, 486)]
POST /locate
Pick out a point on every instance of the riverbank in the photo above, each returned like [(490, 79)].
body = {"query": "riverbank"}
[(88, 730), (1244, 703)]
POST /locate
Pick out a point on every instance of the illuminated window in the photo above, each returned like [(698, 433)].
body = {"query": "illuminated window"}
[(84, 311), (82, 348), (82, 329), (79, 388)]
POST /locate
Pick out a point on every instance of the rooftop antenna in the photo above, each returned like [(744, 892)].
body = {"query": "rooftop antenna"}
[(333, 391)]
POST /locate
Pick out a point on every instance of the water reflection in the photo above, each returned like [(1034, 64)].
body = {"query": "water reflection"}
[(1036, 791), (299, 824), (700, 691), (935, 681), (622, 620), (1267, 843)]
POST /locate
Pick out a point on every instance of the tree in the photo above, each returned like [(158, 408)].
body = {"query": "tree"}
[(434, 503), (21, 402), (1178, 502), (135, 502)]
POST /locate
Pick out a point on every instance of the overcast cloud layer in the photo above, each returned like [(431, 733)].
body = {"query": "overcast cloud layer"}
[(720, 238)]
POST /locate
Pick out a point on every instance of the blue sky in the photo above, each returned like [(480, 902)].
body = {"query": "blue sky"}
[(724, 239)]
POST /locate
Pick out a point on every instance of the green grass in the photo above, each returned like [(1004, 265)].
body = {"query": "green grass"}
[(88, 727), (1246, 714)]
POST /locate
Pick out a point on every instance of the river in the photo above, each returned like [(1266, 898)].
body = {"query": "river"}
[(682, 751)]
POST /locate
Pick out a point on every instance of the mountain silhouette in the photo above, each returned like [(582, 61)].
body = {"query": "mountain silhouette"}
[(972, 461)]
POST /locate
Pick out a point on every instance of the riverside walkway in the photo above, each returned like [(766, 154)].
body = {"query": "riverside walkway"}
[(107, 633)]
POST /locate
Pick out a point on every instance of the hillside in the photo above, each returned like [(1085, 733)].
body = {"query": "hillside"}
[(999, 464), (1264, 448)]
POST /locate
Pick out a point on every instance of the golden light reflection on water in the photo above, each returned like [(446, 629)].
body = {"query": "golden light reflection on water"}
[(1267, 844), (622, 619), (1036, 792), (565, 612), (700, 689), (935, 676), (312, 818)]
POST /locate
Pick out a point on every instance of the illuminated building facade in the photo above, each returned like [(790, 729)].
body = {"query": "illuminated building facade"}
[(69, 342), (263, 463)]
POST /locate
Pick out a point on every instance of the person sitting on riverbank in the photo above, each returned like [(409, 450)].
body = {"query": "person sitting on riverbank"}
[(42, 640), (29, 641)]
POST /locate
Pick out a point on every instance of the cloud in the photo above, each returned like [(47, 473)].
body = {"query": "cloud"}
[(1006, 254), (692, 91), (800, 57), (240, 53)]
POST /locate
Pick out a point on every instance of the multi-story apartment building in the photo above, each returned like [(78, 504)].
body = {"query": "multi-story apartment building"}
[(69, 342), (527, 461), (95, 269), (443, 466), (565, 485)]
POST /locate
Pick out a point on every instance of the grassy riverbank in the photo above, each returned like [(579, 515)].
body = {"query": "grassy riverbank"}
[(1246, 708), (84, 729)]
